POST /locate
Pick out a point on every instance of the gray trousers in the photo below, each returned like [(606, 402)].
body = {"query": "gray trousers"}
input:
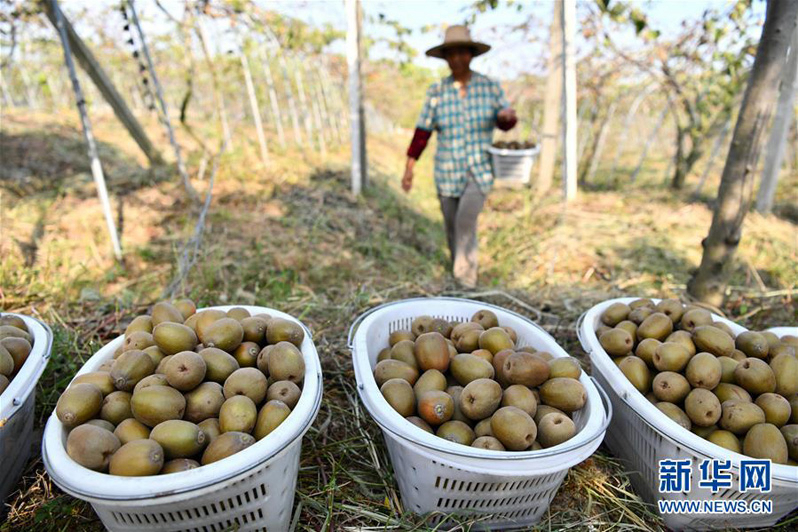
[(460, 220)]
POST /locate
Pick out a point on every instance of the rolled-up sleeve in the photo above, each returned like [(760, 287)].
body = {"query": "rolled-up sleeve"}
[(428, 119)]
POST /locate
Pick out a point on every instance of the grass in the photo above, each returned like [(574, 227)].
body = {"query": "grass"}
[(291, 236)]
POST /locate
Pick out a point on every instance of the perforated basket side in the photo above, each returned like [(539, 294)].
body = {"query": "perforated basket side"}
[(15, 446), (431, 484), (508, 169), (260, 500)]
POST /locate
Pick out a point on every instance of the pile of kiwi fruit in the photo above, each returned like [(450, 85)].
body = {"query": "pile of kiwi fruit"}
[(185, 389), (738, 391), (16, 343), (469, 383), (514, 145)]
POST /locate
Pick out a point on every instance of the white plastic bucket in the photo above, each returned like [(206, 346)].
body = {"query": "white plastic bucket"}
[(784, 331), (511, 489), (250, 490), (512, 167), (641, 436), (17, 406)]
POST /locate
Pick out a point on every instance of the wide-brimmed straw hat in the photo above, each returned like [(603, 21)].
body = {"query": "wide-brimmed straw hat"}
[(458, 36)]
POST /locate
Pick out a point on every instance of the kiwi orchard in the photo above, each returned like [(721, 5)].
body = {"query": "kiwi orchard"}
[(249, 107)]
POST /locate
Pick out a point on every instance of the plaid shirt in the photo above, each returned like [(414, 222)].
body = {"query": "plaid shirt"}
[(465, 131)]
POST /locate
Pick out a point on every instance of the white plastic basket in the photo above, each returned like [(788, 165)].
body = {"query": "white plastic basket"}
[(510, 489), (17, 406), (250, 490), (641, 436), (784, 331), (512, 167)]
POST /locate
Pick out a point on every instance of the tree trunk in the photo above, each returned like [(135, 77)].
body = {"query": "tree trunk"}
[(273, 101), (289, 93), (711, 163), (303, 99), (357, 127), (569, 99), (217, 90), (736, 186), (774, 154), (649, 141), (253, 103), (589, 170), (552, 104)]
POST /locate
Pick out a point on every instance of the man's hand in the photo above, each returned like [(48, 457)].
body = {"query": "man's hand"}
[(507, 114), (407, 179)]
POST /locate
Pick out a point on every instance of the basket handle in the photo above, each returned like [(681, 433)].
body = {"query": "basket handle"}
[(350, 343), (607, 403)]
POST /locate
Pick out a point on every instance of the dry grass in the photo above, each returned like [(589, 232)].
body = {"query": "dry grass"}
[(292, 237)]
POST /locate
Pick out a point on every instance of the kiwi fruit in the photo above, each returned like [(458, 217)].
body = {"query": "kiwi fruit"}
[(695, 317), (543, 410), (456, 392), (18, 348), (670, 386), (466, 337), (282, 330), (702, 407), (9, 331), (514, 428), (480, 398), (617, 342), (420, 423), (286, 363), (790, 433), (116, 407), (139, 323), (238, 414), (393, 369), (130, 368), (156, 379), (131, 429), (178, 438), (432, 352), (218, 364), (525, 368), (482, 428), (404, 350), (488, 442), (225, 445), (495, 339), (764, 440), (186, 306), (139, 341), (645, 350), (270, 417), (521, 397), (285, 391), (92, 446), (564, 367), (671, 356), (725, 392), (703, 371), (138, 458), (628, 326), (466, 368), (639, 315), (421, 325), (435, 407), (103, 424), (676, 414), (165, 312), (457, 432), (486, 318), (155, 404), (101, 379), (400, 396), (753, 344), (254, 329), (430, 380), (726, 439), (238, 313), (670, 307), (498, 366), (615, 314), (178, 465), (563, 393), (250, 382), (204, 402), (78, 404), (399, 336), (225, 333), (185, 370), (776, 408), (727, 367), (657, 326), (211, 428), (555, 429), (172, 338), (785, 370), (755, 376), (713, 340), (739, 416), (636, 371), (684, 339)]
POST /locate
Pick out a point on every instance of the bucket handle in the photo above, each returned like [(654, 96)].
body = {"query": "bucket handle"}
[(350, 339)]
